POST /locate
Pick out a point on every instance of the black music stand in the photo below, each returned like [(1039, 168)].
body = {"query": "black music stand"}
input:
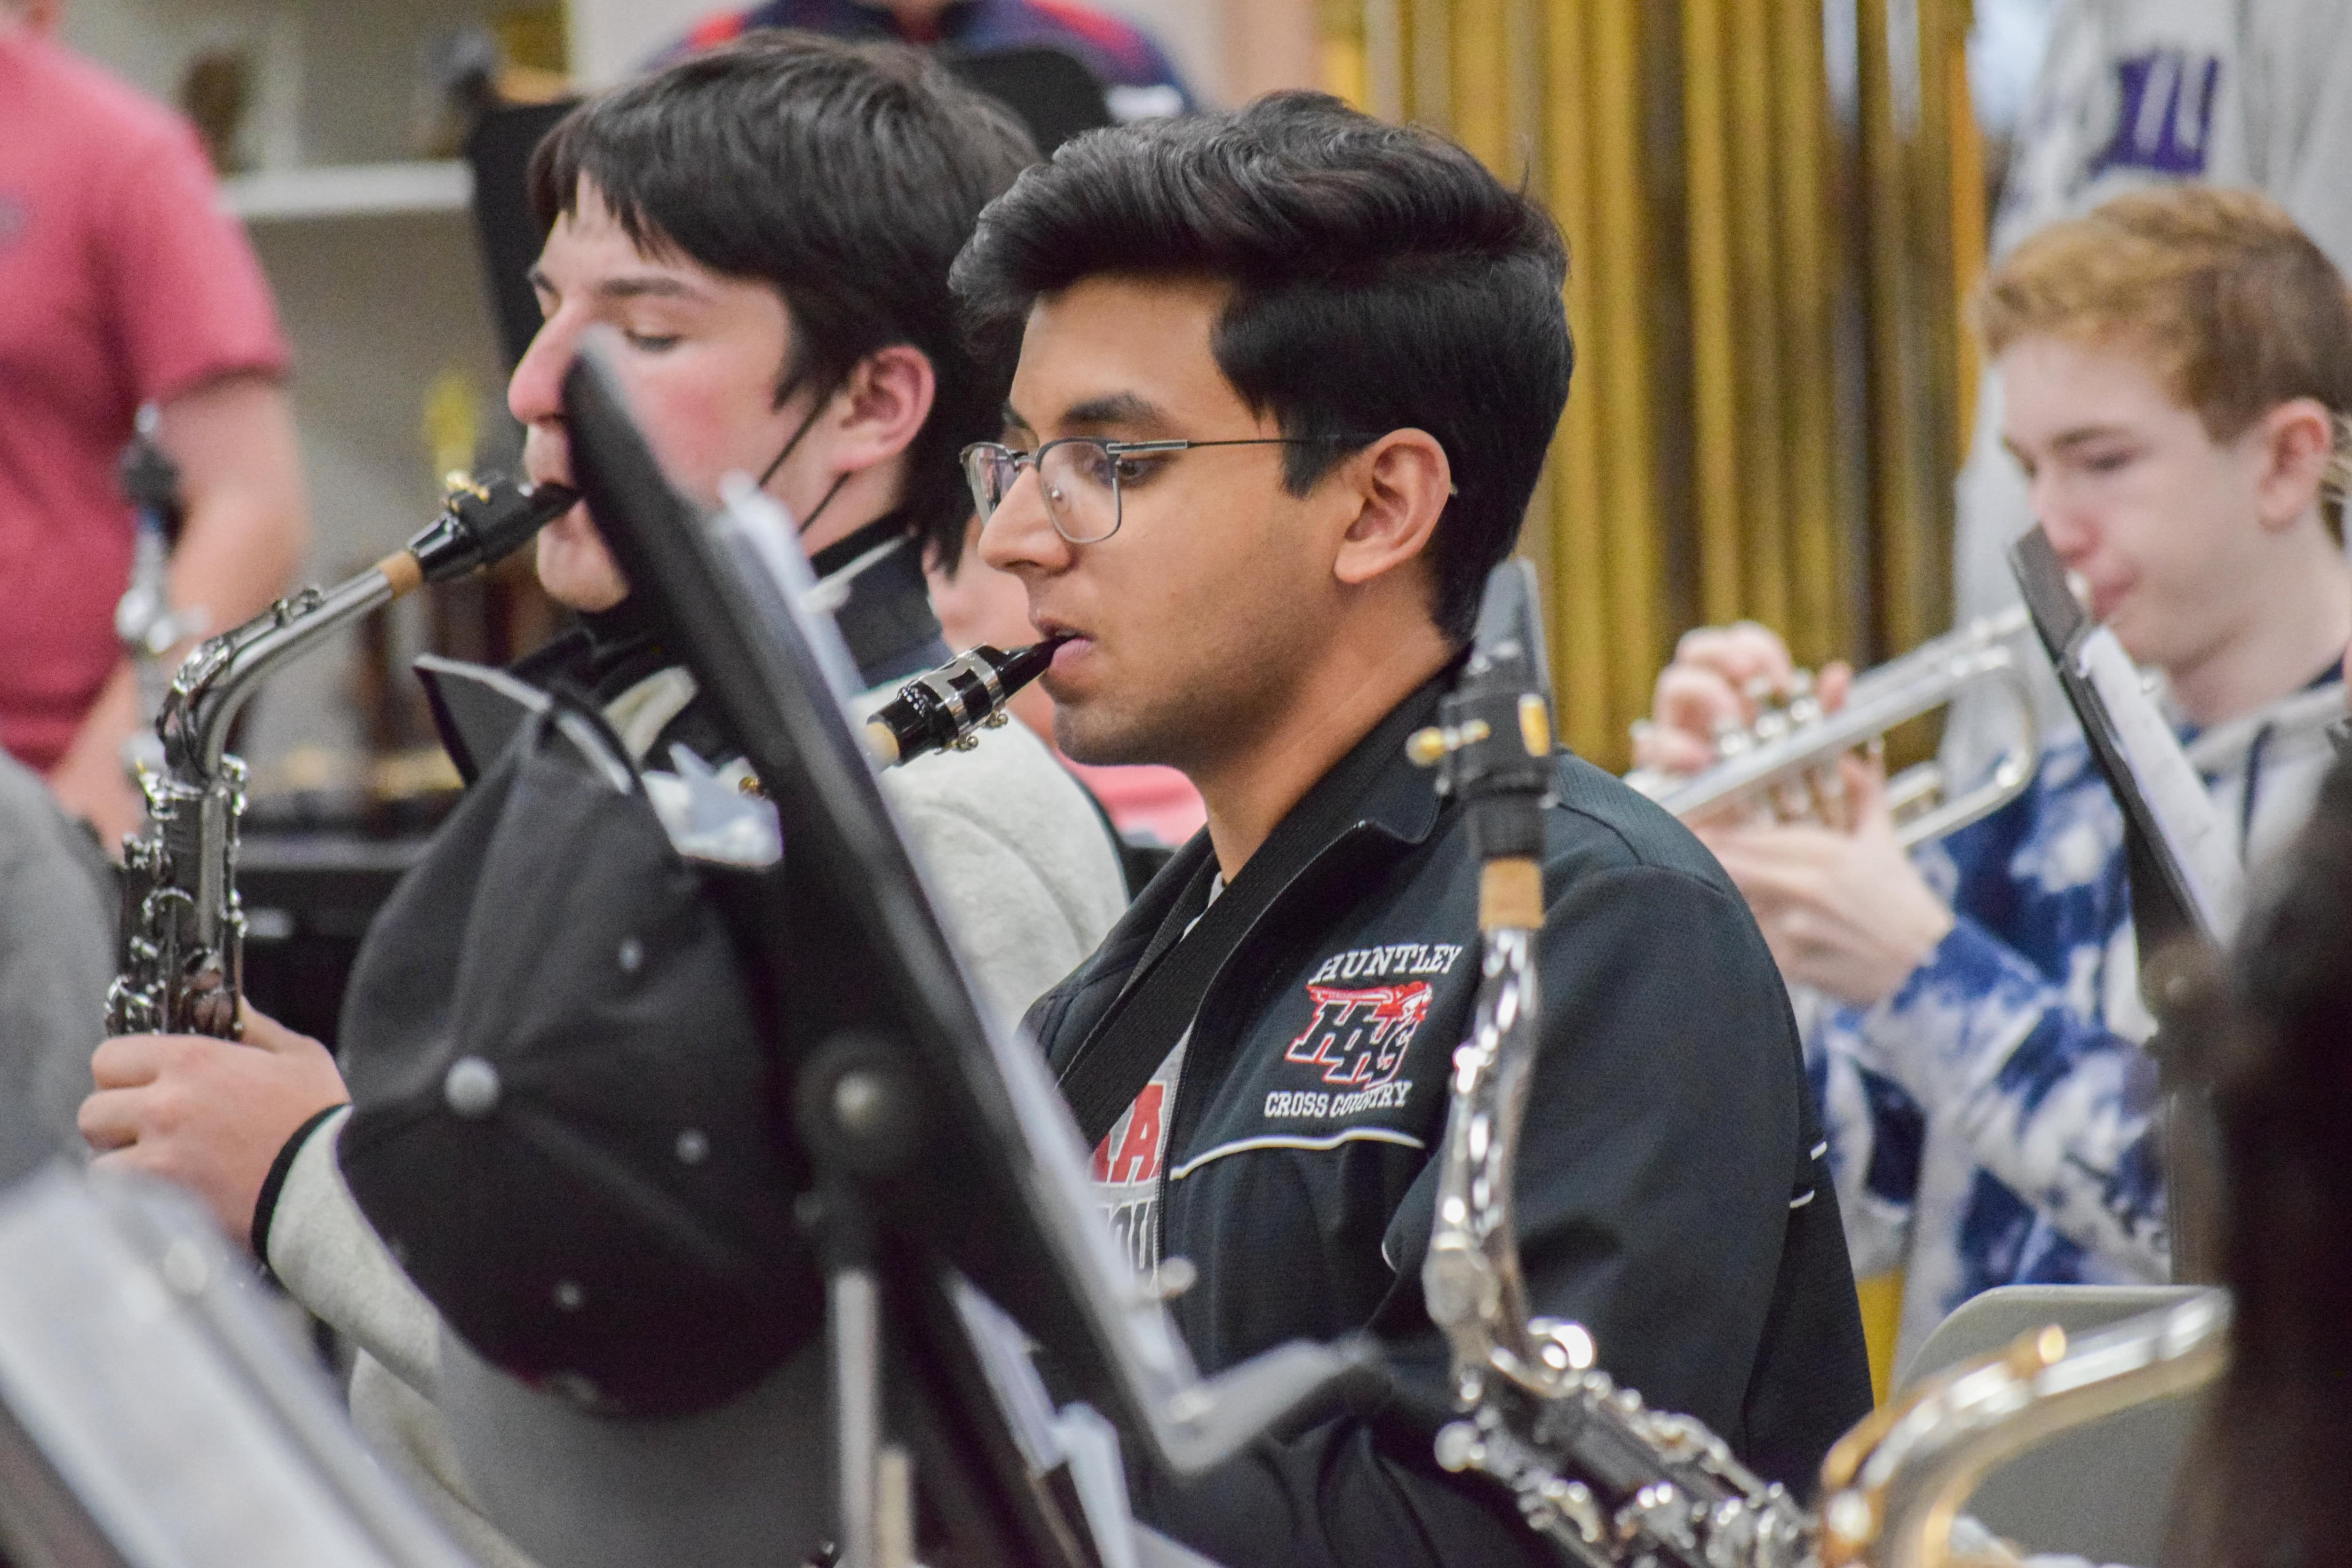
[(2182, 903), (945, 1154), (1051, 89), (500, 152)]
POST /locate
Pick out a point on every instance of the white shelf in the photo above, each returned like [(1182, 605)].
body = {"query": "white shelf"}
[(351, 190)]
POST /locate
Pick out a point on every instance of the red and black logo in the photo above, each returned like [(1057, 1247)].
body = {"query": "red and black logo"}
[(1359, 1038)]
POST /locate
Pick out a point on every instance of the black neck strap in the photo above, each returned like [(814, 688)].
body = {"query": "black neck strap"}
[(1174, 974)]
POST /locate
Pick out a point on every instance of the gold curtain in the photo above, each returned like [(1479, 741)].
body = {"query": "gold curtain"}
[(1773, 208)]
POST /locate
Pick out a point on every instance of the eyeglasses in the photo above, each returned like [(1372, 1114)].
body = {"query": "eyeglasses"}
[(1081, 478)]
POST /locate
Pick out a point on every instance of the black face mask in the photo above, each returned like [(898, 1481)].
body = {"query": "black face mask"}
[(770, 471)]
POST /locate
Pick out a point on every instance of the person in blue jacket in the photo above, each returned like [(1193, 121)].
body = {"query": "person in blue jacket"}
[(2178, 370)]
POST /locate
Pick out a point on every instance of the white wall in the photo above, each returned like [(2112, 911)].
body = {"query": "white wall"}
[(611, 38)]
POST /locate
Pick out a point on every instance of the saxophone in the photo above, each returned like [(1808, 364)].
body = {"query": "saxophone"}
[(1608, 1482), (1605, 1480), (1895, 1484), (183, 947)]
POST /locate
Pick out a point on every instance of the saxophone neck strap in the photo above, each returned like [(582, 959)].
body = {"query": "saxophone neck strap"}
[(1197, 937)]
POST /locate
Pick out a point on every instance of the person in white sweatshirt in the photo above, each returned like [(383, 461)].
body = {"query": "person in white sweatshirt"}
[(767, 230)]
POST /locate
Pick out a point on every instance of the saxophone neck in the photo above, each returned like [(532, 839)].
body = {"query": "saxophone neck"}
[(1493, 748), (217, 679), (480, 523)]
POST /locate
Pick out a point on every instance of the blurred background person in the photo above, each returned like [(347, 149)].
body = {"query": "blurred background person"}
[(1138, 78), (2264, 1479), (2133, 93), (122, 283)]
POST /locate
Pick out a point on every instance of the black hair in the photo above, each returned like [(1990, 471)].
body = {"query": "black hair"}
[(1383, 279), (846, 175), (2263, 1484)]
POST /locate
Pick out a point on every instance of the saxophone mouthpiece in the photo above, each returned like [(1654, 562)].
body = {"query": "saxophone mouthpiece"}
[(482, 522), (943, 709)]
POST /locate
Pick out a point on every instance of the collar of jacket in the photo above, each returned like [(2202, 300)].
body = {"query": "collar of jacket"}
[(885, 614), (2221, 749), (1374, 802)]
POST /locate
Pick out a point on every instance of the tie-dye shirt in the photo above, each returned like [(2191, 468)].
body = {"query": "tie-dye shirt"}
[(1991, 1124)]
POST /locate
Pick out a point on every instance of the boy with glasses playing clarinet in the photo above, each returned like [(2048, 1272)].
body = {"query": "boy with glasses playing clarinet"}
[(1285, 379)]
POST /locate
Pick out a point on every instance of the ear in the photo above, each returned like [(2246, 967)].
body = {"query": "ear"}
[(1398, 486), (880, 408), (2297, 440)]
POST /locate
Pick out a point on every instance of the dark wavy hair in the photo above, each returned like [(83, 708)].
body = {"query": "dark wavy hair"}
[(847, 175), (2265, 1482), (1383, 279)]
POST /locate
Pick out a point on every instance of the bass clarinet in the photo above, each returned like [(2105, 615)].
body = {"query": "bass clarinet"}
[(183, 949)]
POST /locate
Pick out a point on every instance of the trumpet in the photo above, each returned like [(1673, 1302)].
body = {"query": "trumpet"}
[(1783, 765)]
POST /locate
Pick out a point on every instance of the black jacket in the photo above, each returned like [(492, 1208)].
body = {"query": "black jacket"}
[(1671, 1193)]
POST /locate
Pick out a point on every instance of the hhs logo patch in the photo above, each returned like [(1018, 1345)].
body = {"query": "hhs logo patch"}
[(1359, 1038)]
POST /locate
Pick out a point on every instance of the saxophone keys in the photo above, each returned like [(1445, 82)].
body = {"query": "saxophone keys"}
[(1850, 1520), (1459, 1447), (1564, 1346), (211, 1010), (2043, 1347)]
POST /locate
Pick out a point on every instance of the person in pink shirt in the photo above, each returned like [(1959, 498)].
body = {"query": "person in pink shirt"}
[(123, 283)]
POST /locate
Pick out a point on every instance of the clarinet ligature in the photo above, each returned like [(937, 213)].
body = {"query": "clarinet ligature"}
[(945, 708)]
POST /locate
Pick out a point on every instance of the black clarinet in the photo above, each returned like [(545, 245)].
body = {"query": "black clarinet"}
[(946, 709)]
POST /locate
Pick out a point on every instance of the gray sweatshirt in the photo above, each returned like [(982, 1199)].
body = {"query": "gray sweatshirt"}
[(56, 955)]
